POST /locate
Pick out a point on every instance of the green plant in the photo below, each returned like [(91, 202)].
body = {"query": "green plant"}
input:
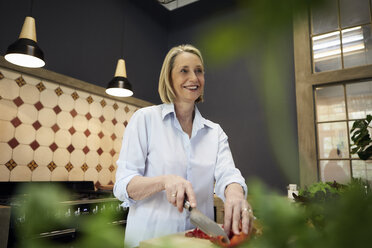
[(361, 138)]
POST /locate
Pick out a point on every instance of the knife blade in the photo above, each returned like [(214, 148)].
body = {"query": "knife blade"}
[(205, 224)]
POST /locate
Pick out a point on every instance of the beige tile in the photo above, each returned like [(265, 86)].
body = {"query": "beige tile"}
[(109, 101), (80, 123), (31, 79), (66, 102), (41, 173), (45, 136), (9, 89), (76, 174), (29, 94), (81, 106), (94, 126), (106, 143), (93, 142), (117, 145), (59, 174), (119, 130), (79, 140), (120, 115), (43, 156), (104, 176), (105, 159), (108, 127), (23, 154), (92, 159), (64, 120), (25, 134), (48, 98), (6, 131), (8, 110), (61, 157), (47, 117), (91, 175), (108, 112), (67, 90), (63, 138), (5, 152), (20, 173), (95, 109), (50, 85), (83, 94), (4, 173), (27, 113), (77, 158), (10, 74)]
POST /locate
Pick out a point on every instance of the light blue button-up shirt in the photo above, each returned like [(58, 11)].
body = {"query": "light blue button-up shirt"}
[(154, 144)]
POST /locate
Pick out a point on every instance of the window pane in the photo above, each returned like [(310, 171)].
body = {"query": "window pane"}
[(356, 46), (350, 126), (362, 169), (327, 52), (335, 170), (324, 18), (354, 12), (330, 103), (333, 141), (359, 99)]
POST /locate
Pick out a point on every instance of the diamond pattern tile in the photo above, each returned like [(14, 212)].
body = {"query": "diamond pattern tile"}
[(13, 143), (84, 167), (87, 132), (40, 86), (20, 81), (57, 109), (1, 76), (126, 109), (11, 164), (113, 136), (86, 150), (112, 152), (73, 113), (53, 147), (18, 101), (103, 103), (125, 123), (88, 116), (101, 119), (114, 121), (69, 166), (70, 148), (97, 184), (58, 91), (100, 135), (75, 95), (111, 182), (99, 167), (89, 99), (115, 106), (51, 166), (32, 165), (36, 125), (38, 106), (55, 128), (16, 122), (34, 145), (72, 130), (111, 168), (100, 151)]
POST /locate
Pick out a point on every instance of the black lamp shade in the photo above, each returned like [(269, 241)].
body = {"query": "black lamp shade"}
[(119, 86), (25, 52)]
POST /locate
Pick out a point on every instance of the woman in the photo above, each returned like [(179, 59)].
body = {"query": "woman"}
[(170, 152)]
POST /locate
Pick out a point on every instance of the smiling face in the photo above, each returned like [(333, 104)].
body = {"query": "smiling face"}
[(187, 77)]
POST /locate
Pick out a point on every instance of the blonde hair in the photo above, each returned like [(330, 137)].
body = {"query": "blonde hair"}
[(165, 89)]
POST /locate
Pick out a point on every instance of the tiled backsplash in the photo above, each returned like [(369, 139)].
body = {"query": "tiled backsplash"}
[(50, 132)]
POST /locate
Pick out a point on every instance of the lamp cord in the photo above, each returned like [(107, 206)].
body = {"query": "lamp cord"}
[(31, 6), (122, 33)]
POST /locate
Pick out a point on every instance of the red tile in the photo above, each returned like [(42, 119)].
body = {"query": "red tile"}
[(55, 128), (36, 125), (111, 182), (70, 148), (32, 165), (100, 135), (53, 147), (72, 130), (84, 167), (16, 122), (34, 145), (51, 166), (69, 167), (85, 150), (97, 184), (112, 152), (114, 121), (57, 109), (101, 119), (87, 133), (111, 168), (13, 143), (73, 113), (99, 167), (18, 101), (11, 164), (99, 151), (1, 76), (88, 116), (125, 123), (113, 136), (38, 105)]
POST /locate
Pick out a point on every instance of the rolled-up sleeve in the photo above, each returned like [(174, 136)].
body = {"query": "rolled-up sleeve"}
[(226, 172), (132, 156)]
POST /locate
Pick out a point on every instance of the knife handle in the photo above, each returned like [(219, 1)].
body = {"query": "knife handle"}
[(186, 205)]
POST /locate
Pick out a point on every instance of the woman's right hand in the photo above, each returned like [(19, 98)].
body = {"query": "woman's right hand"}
[(176, 189)]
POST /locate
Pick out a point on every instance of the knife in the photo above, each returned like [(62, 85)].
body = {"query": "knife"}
[(205, 224)]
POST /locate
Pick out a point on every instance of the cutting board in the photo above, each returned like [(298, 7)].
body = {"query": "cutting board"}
[(177, 240)]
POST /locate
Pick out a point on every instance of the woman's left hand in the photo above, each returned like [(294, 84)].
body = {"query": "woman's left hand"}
[(237, 210)]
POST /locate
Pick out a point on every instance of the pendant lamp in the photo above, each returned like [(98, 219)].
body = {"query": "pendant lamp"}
[(25, 51), (120, 85)]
